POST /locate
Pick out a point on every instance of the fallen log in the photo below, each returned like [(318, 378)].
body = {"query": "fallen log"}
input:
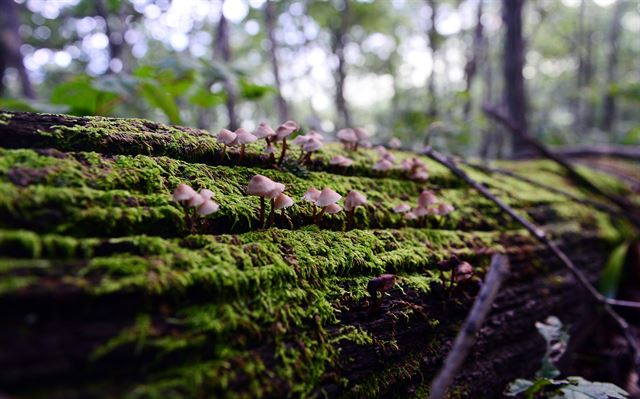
[(109, 288)]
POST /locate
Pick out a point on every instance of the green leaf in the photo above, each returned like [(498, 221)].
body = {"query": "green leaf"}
[(252, 91), (206, 99), (82, 97), (160, 99), (518, 387), (579, 388), (610, 279)]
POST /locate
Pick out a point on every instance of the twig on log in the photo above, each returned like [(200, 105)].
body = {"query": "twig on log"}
[(498, 271), (540, 235), (491, 170), (626, 208)]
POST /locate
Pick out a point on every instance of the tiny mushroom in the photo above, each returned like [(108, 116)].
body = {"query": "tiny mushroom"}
[(227, 138), (243, 137), (332, 208), (264, 131), (401, 208), (282, 201), (262, 187), (327, 201), (183, 193), (353, 200), (380, 284), (342, 161), (201, 201), (426, 198), (208, 207), (348, 137), (395, 143), (463, 272), (312, 145), (410, 216), (362, 135), (282, 132), (444, 209), (383, 165)]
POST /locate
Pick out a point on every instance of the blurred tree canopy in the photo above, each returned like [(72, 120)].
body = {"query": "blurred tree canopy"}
[(396, 67)]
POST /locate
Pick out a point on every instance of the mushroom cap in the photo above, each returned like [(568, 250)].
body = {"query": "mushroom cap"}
[(464, 271), (341, 161), (312, 145), (332, 208), (283, 131), (389, 157), (183, 193), (420, 175), (206, 193), (278, 188), (207, 208), (427, 198), (410, 216), (444, 209), (227, 137), (383, 165), (361, 134), (327, 196), (353, 200), (314, 135), (269, 149), (264, 130), (282, 201), (347, 135), (401, 208), (311, 195), (196, 200), (395, 143), (260, 185), (421, 211), (301, 140), (406, 164), (244, 137)]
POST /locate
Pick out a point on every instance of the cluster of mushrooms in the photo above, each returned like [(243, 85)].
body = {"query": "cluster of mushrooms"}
[(202, 200), (242, 137), (428, 204)]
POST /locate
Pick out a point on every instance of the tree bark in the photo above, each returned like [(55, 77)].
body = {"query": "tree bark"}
[(513, 64), (11, 42), (339, 39), (477, 48), (434, 41), (223, 51), (609, 103), (270, 21), (116, 38)]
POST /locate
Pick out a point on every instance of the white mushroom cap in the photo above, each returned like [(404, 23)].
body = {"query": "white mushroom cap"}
[(264, 130), (420, 175), (260, 185), (347, 135), (183, 193), (410, 216), (383, 165), (206, 193), (401, 208), (395, 143), (327, 196), (406, 164), (277, 189), (207, 208), (301, 140), (353, 200), (283, 131), (244, 137), (311, 195), (332, 208), (227, 137), (282, 201), (361, 134), (314, 135), (341, 161), (196, 200), (312, 145), (444, 209), (421, 211), (389, 157), (427, 198)]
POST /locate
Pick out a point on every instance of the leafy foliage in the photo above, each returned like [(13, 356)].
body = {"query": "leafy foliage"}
[(546, 386)]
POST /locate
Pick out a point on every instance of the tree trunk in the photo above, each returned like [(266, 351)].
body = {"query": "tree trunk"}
[(110, 288), (223, 51), (477, 48), (434, 41), (609, 103), (339, 38), (11, 42), (116, 38), (270, 19), (513, 63)]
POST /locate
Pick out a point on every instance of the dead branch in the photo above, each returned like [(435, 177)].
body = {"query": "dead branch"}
[(498, 271), (540, 236)]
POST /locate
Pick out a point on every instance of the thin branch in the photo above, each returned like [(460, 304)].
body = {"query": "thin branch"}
[(540, 235), (498, 271), (621, 203), (623, 303)]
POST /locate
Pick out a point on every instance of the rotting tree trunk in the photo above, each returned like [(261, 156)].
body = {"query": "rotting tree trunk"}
[(270, 18), (223, 50), (110, 289), (10, 41), (513, 64)]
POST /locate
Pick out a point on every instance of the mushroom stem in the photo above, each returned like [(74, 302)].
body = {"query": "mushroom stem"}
[(284, 151), (350, 216), (261, 211), (272, 215), (319, 215), (315, 210), (241, 152), (224, 151)]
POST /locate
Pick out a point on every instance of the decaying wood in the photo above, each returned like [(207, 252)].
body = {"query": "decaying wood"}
[(108, 291)]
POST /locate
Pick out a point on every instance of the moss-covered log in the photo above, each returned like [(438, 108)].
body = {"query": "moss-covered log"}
[(109, 288)]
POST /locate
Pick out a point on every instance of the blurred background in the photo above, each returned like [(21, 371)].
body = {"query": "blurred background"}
[(567, 71)]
